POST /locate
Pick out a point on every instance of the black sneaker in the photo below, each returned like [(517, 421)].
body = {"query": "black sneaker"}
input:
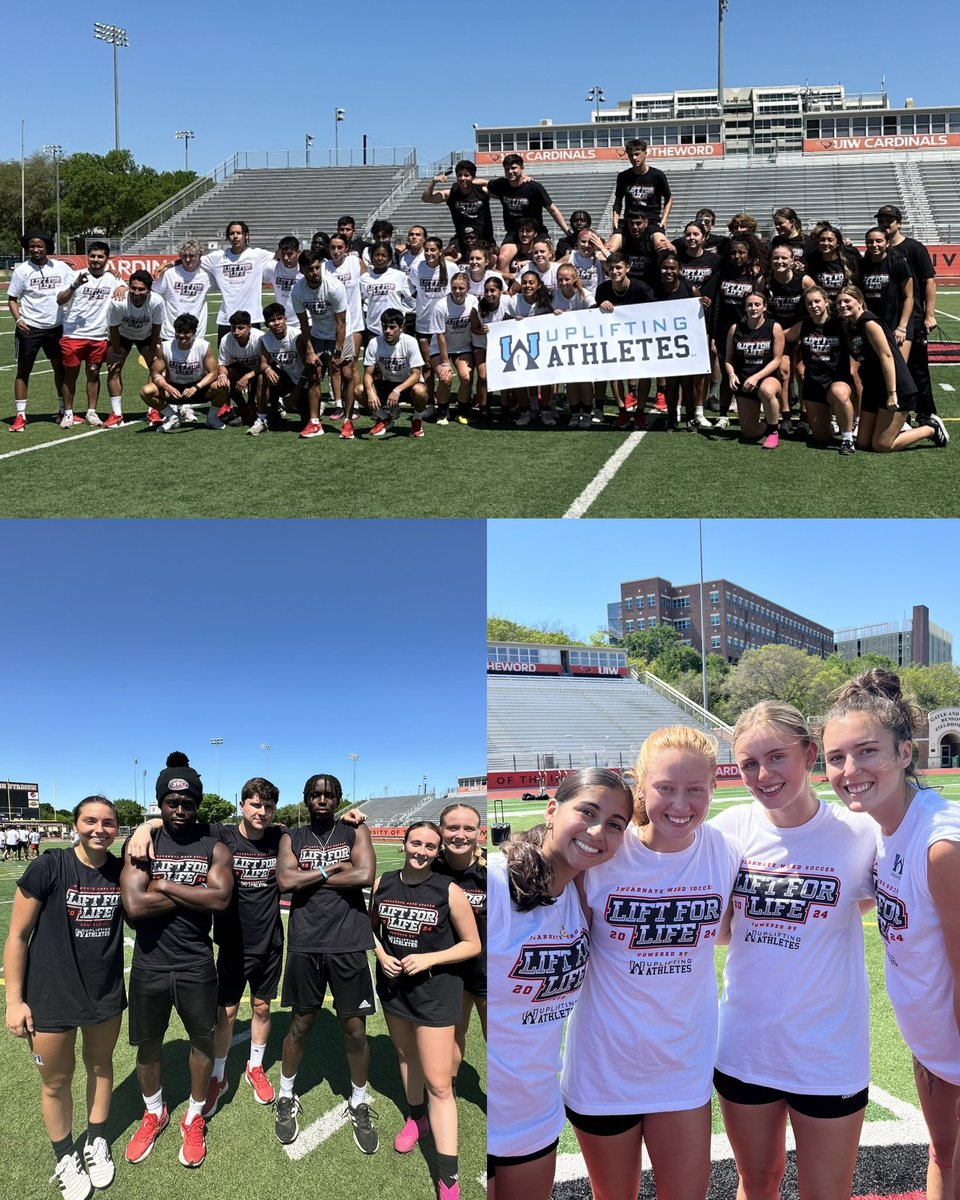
[(286, 1127), (847, 446), (940, 435), (364, 1133)]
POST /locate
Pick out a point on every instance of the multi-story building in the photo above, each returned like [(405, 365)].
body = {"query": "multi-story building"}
[(914, 641)]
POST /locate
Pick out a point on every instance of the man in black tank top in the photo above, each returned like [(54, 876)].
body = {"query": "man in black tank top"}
[(326, 866), (170, 902)]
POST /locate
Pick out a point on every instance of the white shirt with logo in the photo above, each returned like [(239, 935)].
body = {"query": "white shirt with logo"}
[(232, 354), (283, 354), (282, 279), (396, 362), (453, 321), (349, 275), (133, 322), (36, 289), (183, 291), (240, 280), (86, 314), (321, 305), (382, 290), (185, 367)]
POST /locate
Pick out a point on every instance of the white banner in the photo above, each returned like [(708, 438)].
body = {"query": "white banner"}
[(636, 341)]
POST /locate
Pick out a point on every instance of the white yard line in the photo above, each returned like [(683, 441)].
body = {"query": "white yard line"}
[(318, 1132), (948, 387), (127, 422), (593, 489)]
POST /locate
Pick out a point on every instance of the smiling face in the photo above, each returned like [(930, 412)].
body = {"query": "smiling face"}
[(848, 307), (37, 249), (478, 262), (865, 767), (876, 244), (541, 255), (514, 173), (458, 290), (566, 281), (460, 828), (828, 243), (236, 237), (781, 260), (693, 238), (138, 292), (529, 284), (585, 830), (380, 258), (677, 790), (97, 827), (775, 767), (415, 236), (421, 847), (97, 262)]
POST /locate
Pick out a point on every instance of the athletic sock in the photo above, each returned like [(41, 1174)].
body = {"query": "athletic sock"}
[(67, 412), (846, 437), (447, 1169), (64, 1146), (698, 411), (95, 1129), (358, 1095), (418, 1111), (219, 1068), (22, 406), (194, 1109), (116, 405), (286, 1086), (154, 1104), (262, 416), (256, 1055)]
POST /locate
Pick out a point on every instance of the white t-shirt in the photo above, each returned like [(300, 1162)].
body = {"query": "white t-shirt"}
[(919, 981), (535, 967), (505, 312), (795, 1008), (240, 280), (576, 303), (282, 354), (282, 279), (523, 308), (453, 321), (232, 354), (388, 289), (349, 275), (410, 261), (183, 291), (13, 837), (185, 367), (321, 304), (590, 270), (476, 285), (36, 289), (395, 362), (85, 315), (548, 277), (427, 283), (644, 1035), (133, 322)]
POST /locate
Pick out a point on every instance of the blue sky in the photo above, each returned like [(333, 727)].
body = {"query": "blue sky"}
[(423, 73), (837, 572), (126, 640)]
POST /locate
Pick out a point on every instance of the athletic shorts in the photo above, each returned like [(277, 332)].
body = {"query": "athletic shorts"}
[(142, 344), (474, 976), (307, 976), (78, 350), (283, 387), (154, 993), (198, 397), (604, 1126), (26, 346), (499, 1160), (738, 1092), (383, 388), (816, 393), (236, 969), (877, 402)]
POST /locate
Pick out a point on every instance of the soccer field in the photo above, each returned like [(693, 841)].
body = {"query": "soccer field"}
[(454, 471), (244, 1158)]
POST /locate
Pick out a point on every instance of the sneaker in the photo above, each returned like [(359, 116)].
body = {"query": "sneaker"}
[(596, 417), (234, 418), (771, 441), (847, 446), (336, 414), (67, 421), (802, 427), (416, 427), (286, 1127), (622, 419), (443, 419), (92, 418), (834, 426), (263, 1091), (364, 1133), (99, 1164), (661, 402), (630, 402), (410, 1134), (463, 419), (259, 426), (346, 431), (187, 415), (214, 420), (149, 1130), (70, 1177), (428, 412), (171, 423), (194, 1148), (722, 423), (672, 426), (216, 1090), (523, 419), (639, 420), (19, 423), (547, 417), (940, 435), (114, 421), (713, 403), (379, 429), (699, 421), (448, 1193), (224, 410), (154, 417), (312, 429)]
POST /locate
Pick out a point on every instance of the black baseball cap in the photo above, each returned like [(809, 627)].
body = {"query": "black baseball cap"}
[(889, 210)]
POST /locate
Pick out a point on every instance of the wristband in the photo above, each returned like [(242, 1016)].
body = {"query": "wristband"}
[(323, 873)]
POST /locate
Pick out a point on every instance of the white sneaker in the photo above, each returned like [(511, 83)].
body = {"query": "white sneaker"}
[(72, 1180), (523, 419), (596, 417), (98, 1162), (91, 418), (259, 426), (722, 423), (700, 422), (66, 422), (187, 415), (171, 422), (547, 417)]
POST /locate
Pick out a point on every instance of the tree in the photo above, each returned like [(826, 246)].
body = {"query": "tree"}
[(291, 814), (39, 194), (500, 629), (650, 643), (129, 813), (215, 808), (773, 672), (937, 686)]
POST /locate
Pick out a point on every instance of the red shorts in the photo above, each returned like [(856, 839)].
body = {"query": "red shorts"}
[(78, 350)]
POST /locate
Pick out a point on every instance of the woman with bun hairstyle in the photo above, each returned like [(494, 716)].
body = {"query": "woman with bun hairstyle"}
[(868, 750), (63, 970), (827, 382), (796, 934), (536, 958)]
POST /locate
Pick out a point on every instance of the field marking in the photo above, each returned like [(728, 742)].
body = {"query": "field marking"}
[(68, 441), (941, 313), (317, 1133), (603, 477), (948, 387)]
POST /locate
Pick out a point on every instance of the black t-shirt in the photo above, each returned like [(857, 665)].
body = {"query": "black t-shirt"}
[(473, 883), (871, 372), (526, 200), (882, 286), (253, 918), (642, 255), (326, 920), (823, 349), (831, 275), (470, 210), (179, 940), (801, 247), (785, 300), (74, 974), (684, 291), (636, 292), (646, 193), (729, 294), (699, 271), (752, 348), (920, 263)]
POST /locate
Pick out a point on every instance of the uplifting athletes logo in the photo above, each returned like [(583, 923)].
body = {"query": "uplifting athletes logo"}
[(785, 895), (91, 911), (663, 921), (408, 918), (522, 351), (187, 870), (558, 969), (593, 342)]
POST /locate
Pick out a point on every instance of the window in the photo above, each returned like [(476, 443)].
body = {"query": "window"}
[(714, 643), (682, 623), (651, 601), (714, 618), (629, 627), (640, 624), (651, 622), (714, 597), (628, 604)]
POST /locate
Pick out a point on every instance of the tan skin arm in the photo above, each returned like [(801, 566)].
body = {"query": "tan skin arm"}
[(943, 879), (23, 921)]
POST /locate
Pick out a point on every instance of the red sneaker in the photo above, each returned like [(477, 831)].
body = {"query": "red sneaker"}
[(154, 417), (622, 419), (263, 1091), (346, 432), (639, 420), (337, 414), (379, 429), (19, 423), (194, 1148), (630, 401), (312, 429), (661, 402), (216, 1091), (114, 421), (149, 1130), (224, 410), (416, 427)]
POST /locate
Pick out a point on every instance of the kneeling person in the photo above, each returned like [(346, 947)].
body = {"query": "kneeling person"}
[(238, 374), (134, 321), (396, 357), (182, 372), (282, 356)]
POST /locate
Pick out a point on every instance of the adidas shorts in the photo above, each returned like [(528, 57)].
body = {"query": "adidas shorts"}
[(348, 975)]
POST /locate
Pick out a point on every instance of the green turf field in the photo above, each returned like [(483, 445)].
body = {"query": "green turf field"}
[(244, 1158), (454, 471)]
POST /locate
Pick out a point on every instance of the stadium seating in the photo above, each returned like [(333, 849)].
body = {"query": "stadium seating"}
[(941, 182), (397, 811), (572, 722)]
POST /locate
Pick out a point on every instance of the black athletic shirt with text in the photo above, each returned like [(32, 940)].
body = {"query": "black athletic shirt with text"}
[(646, 193), (528, 200), (253, 917), (823, 349), (472, 881), (752, 349), (470, 210), (327, 920)]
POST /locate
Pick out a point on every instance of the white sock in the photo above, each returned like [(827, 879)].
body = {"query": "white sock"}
[(256, 1055), (68, 412), (194, 1109), (115, 405), (359, 1094), (698, 411), (286, 1085), (21, 406), (219, 1067), (154, 1104)]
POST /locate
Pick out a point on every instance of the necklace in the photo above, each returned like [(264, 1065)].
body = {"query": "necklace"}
[(323, 844)]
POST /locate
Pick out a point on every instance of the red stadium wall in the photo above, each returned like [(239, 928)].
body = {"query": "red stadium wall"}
[(122, 265), (592, 154), (511, 781)]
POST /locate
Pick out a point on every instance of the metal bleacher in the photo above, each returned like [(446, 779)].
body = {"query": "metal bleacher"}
[(941, 182), (397, 811), (563, 723)]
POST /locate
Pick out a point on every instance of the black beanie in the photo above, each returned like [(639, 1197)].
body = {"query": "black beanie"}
[(180, 777)]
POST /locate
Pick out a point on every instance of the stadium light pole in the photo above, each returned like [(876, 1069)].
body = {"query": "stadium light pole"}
[(354, 758), (722, 6), (338, 115), (114, 36), (424, 783), (136, 763), (217, 742), (184, 135), (307, 143), (266, 748), (596, 94), (57, 152), (703, 630)]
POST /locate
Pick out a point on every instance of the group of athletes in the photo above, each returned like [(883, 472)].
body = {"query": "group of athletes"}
[(806, 335), (177, 881), (603, 925)]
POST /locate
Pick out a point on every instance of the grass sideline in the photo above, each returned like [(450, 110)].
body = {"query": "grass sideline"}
[(243, 1155), (472, 471)]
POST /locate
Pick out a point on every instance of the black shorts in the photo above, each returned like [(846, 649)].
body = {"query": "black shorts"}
[(236, 969), (143, 344), (608, 1125), (26, 346), (307, 975), (473, 972), (199, 396), (383, 388), (875, 402), (154, 993), (500, 1160), (432, 999), (285, 386), (738, 1092)]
